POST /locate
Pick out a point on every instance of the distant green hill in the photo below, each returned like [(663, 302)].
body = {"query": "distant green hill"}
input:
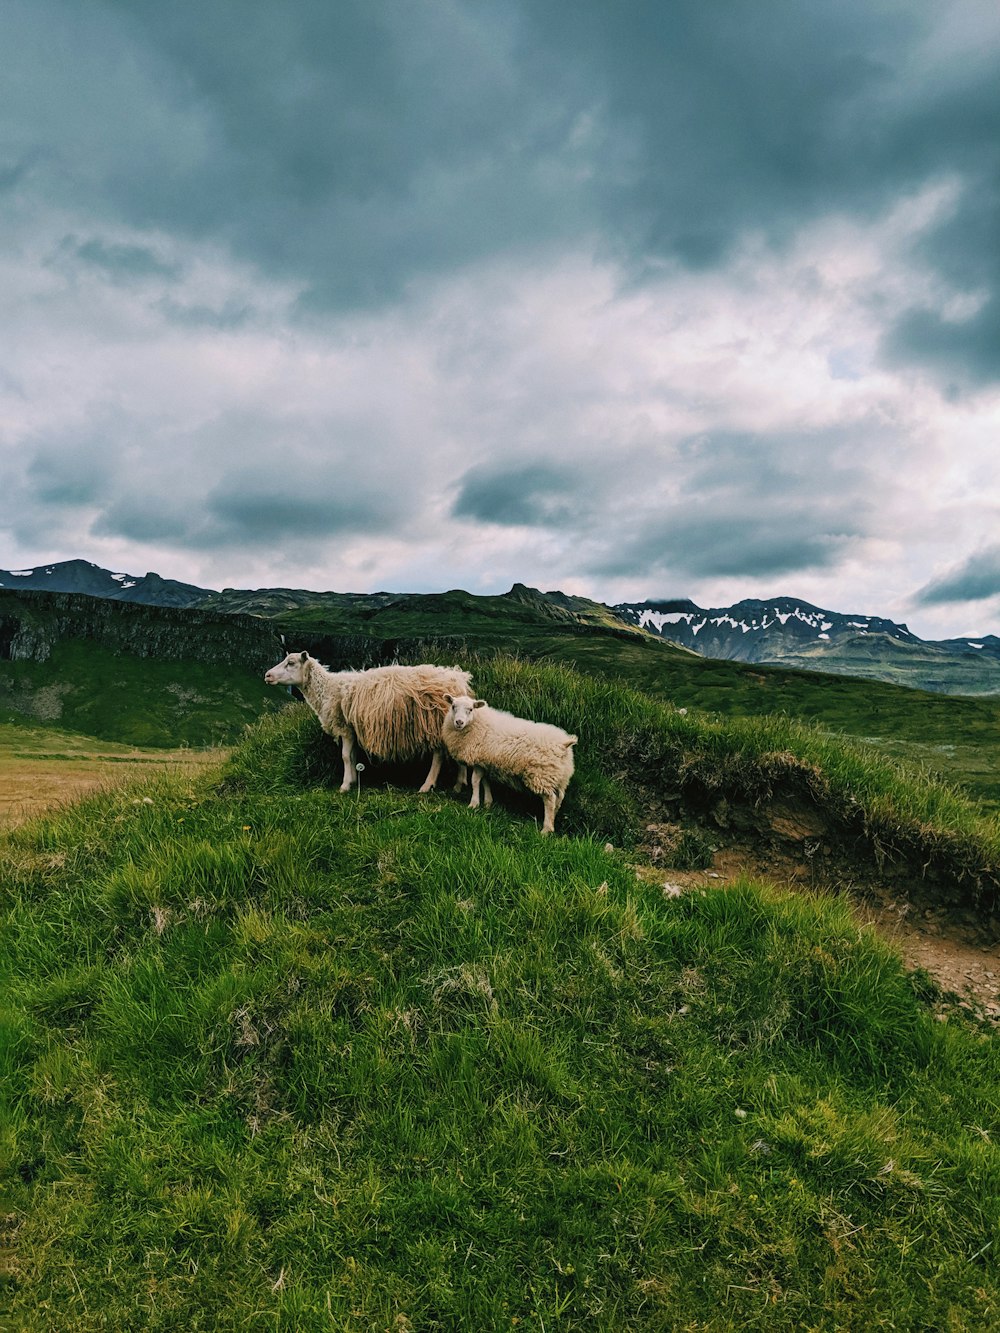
[(144, 675)]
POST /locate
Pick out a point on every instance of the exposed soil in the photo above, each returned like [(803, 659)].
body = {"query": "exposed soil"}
[(957, 947)]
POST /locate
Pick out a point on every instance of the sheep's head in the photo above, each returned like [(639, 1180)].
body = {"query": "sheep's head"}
[(461, 709), (292, 671)]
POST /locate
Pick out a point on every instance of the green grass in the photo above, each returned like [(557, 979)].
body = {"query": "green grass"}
[(85, 687), (276, 1058), (635, 754), (953, 737)]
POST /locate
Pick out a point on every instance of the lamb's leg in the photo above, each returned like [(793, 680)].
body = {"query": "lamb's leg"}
[(550, 799), (347, 752), (487, 792), (477, 781), (432, 777), (462, 781)]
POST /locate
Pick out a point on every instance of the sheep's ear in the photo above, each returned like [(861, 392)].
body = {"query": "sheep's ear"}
[(479, 703), (448, 699), (303, 657)]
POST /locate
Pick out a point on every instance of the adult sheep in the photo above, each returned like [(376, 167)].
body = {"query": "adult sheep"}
[(394, 712), (532, 755)]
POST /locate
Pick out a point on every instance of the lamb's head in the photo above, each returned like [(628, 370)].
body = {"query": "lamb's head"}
[(461, 709), (292, 671)]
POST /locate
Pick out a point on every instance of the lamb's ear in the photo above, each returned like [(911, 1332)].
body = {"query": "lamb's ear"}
[(479, 703), (303, 657), (570, 742), (448, 699)]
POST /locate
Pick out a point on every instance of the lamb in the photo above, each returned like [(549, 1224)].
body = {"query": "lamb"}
[(532, 755), (394, 712)]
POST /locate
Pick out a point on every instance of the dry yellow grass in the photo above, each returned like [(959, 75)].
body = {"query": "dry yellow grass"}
[(43, 769)]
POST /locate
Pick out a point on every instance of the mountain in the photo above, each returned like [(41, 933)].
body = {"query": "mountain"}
[(789, 632), (782, 631), (80, 576), (754, 631)]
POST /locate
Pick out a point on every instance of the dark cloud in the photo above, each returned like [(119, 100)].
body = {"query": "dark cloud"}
[(973, 581), (749, 505), (72, 467), (538, 495), (733, 125), (801, 466), (117, 261), (963, 352), (700, 540), (246, 479), (352, 148), (250, 508), (139, 516), (349, 147), (227, 316)]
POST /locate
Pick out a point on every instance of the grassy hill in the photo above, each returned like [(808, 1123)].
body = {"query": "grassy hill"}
[(955, 737), (85, 687), (275, 1058), (161, 676)]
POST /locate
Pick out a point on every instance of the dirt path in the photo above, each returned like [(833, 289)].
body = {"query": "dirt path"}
[(955, 948)]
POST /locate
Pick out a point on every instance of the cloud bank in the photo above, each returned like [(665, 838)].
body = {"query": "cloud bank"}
[(643, 300)]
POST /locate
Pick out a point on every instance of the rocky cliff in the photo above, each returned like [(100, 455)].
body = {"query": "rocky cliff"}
[(32, 623)]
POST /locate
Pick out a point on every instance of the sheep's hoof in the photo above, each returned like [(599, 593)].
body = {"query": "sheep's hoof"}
[(425, 789)]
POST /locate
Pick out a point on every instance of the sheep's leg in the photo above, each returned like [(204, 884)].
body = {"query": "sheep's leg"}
[(462, 781), (432, 777), (550, 799), (347, 752), (477, 778), (487, 792)]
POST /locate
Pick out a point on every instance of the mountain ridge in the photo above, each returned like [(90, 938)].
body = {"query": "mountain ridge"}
[(783, 631), (791, 632)]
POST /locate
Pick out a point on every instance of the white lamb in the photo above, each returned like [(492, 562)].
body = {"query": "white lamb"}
[(532, 755), (394, 712)]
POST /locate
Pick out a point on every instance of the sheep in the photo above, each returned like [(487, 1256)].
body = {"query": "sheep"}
[(532, 755), (393, 712), (323, 691)]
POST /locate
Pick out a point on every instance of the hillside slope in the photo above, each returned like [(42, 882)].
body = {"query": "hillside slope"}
[(144, 675), (276, 1059)]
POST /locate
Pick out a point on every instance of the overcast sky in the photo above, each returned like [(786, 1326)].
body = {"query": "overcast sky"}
[(631, 298)]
